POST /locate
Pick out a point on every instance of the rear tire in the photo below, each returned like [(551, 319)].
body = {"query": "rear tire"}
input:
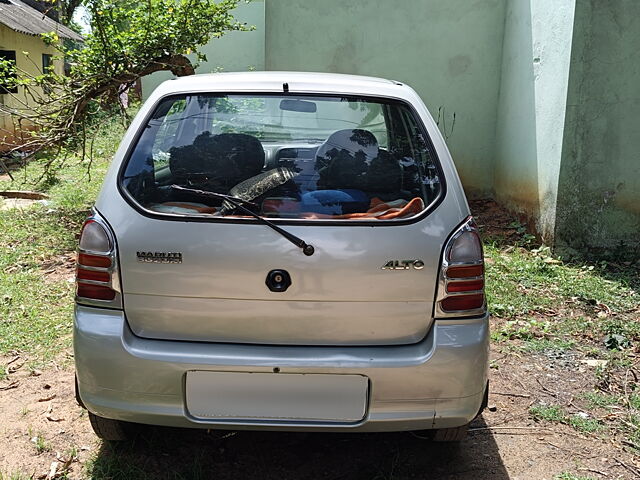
[(456, 434), (112, 430)]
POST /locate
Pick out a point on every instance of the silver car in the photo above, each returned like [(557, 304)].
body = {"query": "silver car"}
[(281, 251)]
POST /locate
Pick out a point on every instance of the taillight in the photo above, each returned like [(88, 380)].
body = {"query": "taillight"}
[(97, 281), (461, 284), (95, 275), (462, 302), (94, 260), (465, 271), (468, 286), (96, 292)]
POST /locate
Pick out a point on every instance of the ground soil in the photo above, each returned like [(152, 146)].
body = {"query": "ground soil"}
[(495, 221), (503, 443)]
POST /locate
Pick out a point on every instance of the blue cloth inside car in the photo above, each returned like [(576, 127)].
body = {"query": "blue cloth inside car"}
[(335, 202)]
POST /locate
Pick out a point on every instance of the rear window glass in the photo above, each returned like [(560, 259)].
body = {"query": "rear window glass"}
[(283, 157)]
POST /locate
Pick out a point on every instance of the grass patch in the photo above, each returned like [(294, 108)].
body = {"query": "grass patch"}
[(544, 303), (550, 413), (586, 425), (521, 281), (632, 432), (36, 306), (599, 400), (556, 414), (571, 476), (15, 476), (41, 444), (626, 409)]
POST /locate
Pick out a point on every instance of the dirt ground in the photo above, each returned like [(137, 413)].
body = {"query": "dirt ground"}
[(41, 424)]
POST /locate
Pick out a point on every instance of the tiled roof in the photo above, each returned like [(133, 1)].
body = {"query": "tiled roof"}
[(25, 19)]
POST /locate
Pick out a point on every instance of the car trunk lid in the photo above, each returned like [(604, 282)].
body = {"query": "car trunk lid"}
[(202, 281)]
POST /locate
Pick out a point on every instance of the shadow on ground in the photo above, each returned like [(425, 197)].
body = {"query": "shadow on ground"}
[(196, 454)]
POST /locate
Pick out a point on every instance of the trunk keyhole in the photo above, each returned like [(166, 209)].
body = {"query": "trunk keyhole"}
[(278, 280)]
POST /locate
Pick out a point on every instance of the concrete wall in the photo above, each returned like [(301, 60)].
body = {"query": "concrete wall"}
[(599, 184), (450, 52), (29, 50), (234, 52), (552, 39), (531, 109)]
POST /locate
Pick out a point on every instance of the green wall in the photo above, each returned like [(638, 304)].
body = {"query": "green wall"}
[(449, 52), (599, 184)]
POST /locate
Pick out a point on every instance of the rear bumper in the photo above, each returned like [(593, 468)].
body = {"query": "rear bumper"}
[(436, 383)]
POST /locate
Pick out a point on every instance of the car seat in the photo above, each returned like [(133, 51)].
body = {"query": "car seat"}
[(217, 162)]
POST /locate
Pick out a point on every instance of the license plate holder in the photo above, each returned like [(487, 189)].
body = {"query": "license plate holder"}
[(276, 397)]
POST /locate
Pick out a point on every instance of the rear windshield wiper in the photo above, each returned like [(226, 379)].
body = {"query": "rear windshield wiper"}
[(238, 203)]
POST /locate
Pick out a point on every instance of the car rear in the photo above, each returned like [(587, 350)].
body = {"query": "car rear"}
[(198, 306)]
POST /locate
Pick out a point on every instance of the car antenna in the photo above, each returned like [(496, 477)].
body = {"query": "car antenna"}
[(285, 87)]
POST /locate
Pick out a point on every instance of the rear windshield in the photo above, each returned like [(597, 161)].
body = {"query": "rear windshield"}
[(286, 156)]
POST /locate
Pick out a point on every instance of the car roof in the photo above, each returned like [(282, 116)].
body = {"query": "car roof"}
[(296, 82)]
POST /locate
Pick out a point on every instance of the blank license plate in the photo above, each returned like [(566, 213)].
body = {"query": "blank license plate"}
[(276, 396)]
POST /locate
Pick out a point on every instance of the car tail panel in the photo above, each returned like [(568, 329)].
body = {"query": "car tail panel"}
[(218, 290)]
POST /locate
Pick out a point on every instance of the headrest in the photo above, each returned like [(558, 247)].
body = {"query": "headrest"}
[(221, 161), (355, 142), (343, 160)]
